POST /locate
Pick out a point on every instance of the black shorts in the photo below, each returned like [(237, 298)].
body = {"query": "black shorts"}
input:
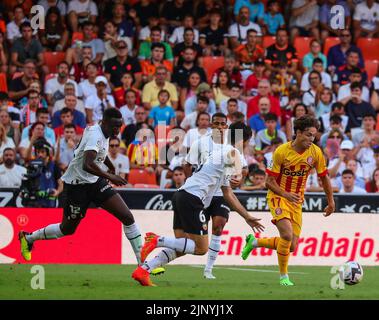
[(189, 213), (217, 208), (78, 197)]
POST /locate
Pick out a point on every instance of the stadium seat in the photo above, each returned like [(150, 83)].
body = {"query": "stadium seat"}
[(302, 46), (330, 42), (52, 59), (369, 47), (79, 36), (146, 186), (268, 41), (3, 82), (371, 67), (141, 176), (211, 64)]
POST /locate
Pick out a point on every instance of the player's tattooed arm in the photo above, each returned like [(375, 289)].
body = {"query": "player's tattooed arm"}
[(90, 166)]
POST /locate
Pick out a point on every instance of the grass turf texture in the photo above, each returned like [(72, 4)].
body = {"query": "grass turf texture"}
[(180, 282)]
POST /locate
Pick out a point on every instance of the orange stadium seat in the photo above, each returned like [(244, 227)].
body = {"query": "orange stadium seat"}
[(52, 59), (268, 41), (330, 42), (371, 67), (146, 186), (79, 36), (211, 64), (141, 176), (369, 47), (302, 46), (3, 82)]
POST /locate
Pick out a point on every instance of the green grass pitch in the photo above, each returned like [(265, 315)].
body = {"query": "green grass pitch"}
[(180, 282)]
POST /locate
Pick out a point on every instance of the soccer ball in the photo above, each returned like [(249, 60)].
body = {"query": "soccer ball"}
[(352, 273)]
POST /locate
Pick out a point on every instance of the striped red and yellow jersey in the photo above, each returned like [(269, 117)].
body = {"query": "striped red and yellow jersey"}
[(291, 168)]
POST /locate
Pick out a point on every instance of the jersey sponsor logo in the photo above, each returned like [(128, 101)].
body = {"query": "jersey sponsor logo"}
[(278, 211), (105, 188), (288, 172), (205, 227)]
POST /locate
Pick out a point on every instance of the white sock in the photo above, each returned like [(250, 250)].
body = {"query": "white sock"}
[(214, 249), (52, 231), (134, 236), (255, 243), (183, 245), (163, 257)]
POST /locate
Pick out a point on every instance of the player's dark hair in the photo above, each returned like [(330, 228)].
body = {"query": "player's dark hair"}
[(87, 23), (369, 115), (238, 116), (156, 28), (235, 130), (33, 92), (298, 106), (188, 29), (251, 30), (270, 117), (66, 110), (128, 91), (114, 138), (281, 29), (9, 149), (219, 115), (305, 122), (178, 168), (112, 113), (348, 171), (356, 85), (164, 91), (232, 100), (352, 50), (25, 24), (314, 72)]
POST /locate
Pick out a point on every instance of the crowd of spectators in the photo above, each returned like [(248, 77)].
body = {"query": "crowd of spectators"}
[(154, 60)]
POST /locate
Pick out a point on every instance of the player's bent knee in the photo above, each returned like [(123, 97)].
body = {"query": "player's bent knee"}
[(217, 230), (200, 251)]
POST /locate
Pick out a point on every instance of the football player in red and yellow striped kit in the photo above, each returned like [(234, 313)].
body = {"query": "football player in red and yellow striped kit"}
[(286, 179)]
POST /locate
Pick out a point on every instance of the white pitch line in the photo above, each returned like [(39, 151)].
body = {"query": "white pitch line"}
[(243, 269)]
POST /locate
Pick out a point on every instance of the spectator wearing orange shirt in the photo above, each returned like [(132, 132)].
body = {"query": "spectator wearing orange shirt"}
[(149, 66)]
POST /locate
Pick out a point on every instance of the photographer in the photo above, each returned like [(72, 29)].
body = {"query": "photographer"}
[(43, 175)]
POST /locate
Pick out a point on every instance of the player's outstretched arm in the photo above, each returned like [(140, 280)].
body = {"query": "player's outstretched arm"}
[(331, 207), (110, 165), (234, 203), (90, 166)]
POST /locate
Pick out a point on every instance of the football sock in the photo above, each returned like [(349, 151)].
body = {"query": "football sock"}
[(214, 249), (183, 245), (283, 251), (133, 234), (269, 243), (52, 231), (162, 258)]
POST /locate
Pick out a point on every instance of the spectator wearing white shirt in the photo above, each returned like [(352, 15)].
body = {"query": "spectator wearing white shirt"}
[(80, 11), (54, 87), (111, 37), (144, 34), (119, 161), (13, 27), (129, 109), (189, 121), (238, 30), (87, 86), (65, 146), (344, 92), (69, 90), (60, 4), (348, 183), (309, 97), (178, 34), (11, 174), (317, 65), (5, 142), (96, 104), (366, 19), (202, 129)]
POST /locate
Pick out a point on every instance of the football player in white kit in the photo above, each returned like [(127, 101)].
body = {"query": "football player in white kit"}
[(85, 182), (189, 202), (218, 210)]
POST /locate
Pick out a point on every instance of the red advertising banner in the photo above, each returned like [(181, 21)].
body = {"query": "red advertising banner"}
[(96, 241)]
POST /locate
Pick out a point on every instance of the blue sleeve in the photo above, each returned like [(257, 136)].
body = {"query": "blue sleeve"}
[(173, 114), (56, 122), (152, 114), (261, 11), (237, 6), (25, 133), (82, 121)]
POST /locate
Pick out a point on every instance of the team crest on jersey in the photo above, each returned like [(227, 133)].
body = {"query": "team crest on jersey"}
[(310, 160), (278, 211), (205, 227)]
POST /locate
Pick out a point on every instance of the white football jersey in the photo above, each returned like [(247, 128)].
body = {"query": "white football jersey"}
[(92, 139), (211, 174), (202, 149)]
